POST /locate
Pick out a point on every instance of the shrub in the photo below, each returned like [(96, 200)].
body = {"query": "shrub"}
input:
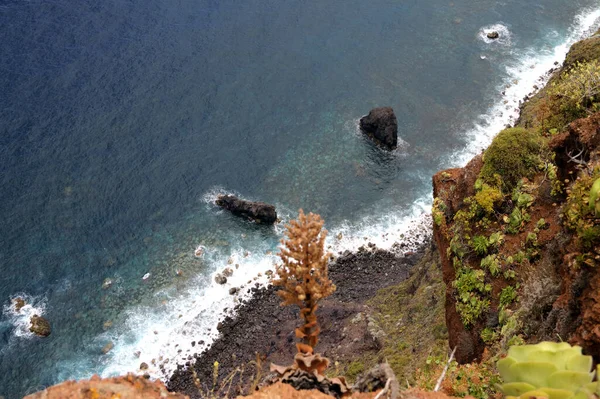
[(579, 87), (487, 197), (513, 154)]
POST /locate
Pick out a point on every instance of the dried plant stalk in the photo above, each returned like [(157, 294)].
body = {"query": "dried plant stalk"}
[(303, 274)]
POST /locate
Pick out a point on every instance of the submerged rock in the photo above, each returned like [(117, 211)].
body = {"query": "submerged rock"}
[(19, 303), (493, 35), (259, 212), (108, 347), (39, 326), (381, 126)]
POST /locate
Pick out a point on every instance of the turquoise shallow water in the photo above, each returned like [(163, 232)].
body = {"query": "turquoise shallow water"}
[(120, 120)]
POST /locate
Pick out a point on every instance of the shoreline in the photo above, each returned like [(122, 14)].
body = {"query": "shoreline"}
[(236, 332), (261, 326)]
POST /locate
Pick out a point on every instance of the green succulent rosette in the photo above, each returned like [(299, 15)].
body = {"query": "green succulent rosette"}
[(553, 370)]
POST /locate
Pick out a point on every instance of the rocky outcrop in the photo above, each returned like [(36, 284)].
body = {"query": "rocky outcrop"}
[(130, 387), (493, 35), (381, 126), (39, 326), (258, 212)]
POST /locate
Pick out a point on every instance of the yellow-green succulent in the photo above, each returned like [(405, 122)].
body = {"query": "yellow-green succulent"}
[(553, 370), (594, 198)]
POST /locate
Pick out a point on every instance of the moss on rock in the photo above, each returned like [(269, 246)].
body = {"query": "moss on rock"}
[(513, 154)]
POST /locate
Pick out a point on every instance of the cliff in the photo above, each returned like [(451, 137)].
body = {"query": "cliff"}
[(518, 239)]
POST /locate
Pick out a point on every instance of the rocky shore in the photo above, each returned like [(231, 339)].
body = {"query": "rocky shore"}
[(265, 329)]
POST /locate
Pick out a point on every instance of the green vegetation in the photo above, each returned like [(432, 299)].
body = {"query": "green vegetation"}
[(547, 370), (578, 88), (579, 216), (487, 197), (438, 211), (480, 245), (492, 264), (513, 154), (594, 205), (507, 296), (403, 312), (472, 293)]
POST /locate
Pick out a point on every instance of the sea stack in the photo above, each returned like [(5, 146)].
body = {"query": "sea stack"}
[(381, 126), (258, 212), (493, 35)]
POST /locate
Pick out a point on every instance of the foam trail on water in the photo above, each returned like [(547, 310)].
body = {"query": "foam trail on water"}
[(161, 335)]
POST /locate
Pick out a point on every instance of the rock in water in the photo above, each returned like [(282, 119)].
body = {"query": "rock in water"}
[(220, 279), (19, 303), (493, 35), (259, 212), (39, 326), (382, 126)]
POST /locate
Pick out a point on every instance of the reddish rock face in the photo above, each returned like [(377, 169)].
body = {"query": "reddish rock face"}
[(453, 186), (130, 386)]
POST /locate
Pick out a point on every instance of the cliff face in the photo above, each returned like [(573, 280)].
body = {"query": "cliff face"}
[(518, 238)]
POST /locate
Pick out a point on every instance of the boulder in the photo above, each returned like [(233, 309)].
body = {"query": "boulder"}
[(381, 126), (220, 279), (493, 35), (227, 272), (39, 326), (258, 212)]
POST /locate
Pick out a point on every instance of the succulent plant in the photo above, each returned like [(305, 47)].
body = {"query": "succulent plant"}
[(547, 370), (594, 198)]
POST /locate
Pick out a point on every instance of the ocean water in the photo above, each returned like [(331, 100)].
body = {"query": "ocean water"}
[(122, 120)]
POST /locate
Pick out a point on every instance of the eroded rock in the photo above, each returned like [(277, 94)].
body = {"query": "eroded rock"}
[(381, 126), (39, 326), (259, 212)]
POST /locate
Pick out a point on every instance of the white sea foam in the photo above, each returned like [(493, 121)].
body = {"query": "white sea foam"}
[(20, 319), (164, 334)]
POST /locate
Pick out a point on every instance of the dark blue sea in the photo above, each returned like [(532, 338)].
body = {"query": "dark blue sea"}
[(122, 120)]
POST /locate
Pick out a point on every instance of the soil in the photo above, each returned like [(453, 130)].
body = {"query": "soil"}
[(263, 331)]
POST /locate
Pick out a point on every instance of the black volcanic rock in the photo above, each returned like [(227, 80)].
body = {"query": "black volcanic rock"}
[(258, 212), (382, 126), (493, 35)]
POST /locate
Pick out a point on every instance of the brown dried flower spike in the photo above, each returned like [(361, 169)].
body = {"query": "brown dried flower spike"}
[(303, 274)]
